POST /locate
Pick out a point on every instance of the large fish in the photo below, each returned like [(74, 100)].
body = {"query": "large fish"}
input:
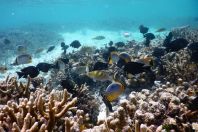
[(31, 71), (100, 75), (45, 67)]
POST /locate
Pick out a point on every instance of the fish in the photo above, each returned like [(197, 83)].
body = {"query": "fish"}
[(106, 102), (30, 71), (64, 47), (193, 50), (60, 65), (125, 56), (80, 69), (168, 39), (39, 50), (161, 30), (50, 48), (75, 44), (99, 75), (44, 67), (136, 68), (158, 52), (110, 43), (99, 38), (143, 29), (113, 91), (107, 53), (67, 84), (149, 36), (23, 59), (120, 44), (100, 66), (176, 45), (21, 49), (114, 57), (3, 69), (6, 41), (126, 34)]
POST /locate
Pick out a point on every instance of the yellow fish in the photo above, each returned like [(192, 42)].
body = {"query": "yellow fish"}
[(23, 59), (99, 75), (113, 91), (125, 56), (114, 57)]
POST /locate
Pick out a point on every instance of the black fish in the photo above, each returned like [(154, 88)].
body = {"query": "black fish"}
[(143, 29), (168, 39), (50, 48), (100, 66), (121, 63), (44, 67), (193, 48), (110, 43), (64, 47), (193, 104), (158, 52), (75, 44), (107, 103), (120, 44), (149, 36), (67, 84), (6, 41), (176, 45), (107, 53), (136, 68), (31, 71)]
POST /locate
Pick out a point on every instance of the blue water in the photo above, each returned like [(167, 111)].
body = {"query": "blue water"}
[(98, 14)]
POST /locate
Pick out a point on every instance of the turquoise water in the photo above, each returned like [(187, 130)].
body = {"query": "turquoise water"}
[(98, 14)]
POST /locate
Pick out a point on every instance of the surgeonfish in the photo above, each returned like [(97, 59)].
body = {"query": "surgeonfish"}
[(50, 48), (23, 59), (100, 66), (99, 38), (31, 71), (113, 91), (100, 75), (21, 49), (75, 44), (44, 67), (143, 29)]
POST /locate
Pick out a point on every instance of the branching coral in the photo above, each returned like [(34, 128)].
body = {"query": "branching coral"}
[(38, 113)]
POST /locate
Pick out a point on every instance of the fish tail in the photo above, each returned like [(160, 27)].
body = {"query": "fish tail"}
[(20, 74), (107, 103)]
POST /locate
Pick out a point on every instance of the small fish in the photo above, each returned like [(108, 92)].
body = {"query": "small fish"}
[(126, 34), (3, 69), (80, 70), (113, 91), (143, 29), (75, 44), (136, 68), (125, 56), (100, 66), (23, 59), (60, 65), (44, 67), (31, 71), (99, 38), (149, 36), (158, 52), (64, 47), (110, 43), (99, 75), (120, 44), (114, 57), (39, 50), (6, 41), (50, 48), (161, 30), (21, 49)]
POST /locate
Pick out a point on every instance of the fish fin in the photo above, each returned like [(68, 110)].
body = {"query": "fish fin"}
[(20, 74), (106, 102)]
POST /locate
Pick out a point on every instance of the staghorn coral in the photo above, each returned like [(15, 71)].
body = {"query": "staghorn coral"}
[(39, 112), (11, 89)]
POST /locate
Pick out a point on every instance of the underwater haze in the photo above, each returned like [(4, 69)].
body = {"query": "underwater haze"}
[(97, 14)]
